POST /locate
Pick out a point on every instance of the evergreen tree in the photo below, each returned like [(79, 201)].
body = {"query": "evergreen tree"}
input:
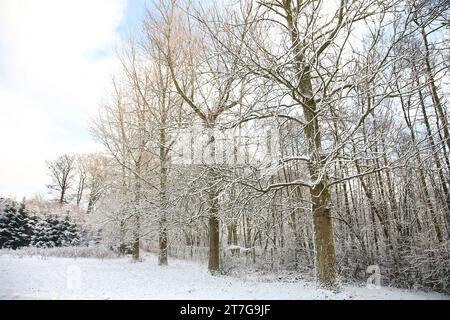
[(24, 226), (5, 231), (19, 229), (54, 232), (42, 234), (16, 227), (12, 240), (70, 232)]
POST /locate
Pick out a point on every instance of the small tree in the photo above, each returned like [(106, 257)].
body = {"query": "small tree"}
[(62, 172), (69, 232), (16, 227), (41, 236), (6, 233)]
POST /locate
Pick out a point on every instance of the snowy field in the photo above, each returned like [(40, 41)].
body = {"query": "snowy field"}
[(35, 277)]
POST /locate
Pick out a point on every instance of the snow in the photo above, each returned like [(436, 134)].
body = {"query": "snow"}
[(37, 277)]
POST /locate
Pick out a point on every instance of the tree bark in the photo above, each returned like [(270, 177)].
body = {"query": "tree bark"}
[(136, 230), (324, 239), (162, 258), (213, 256), (136, 238), (213, 207)]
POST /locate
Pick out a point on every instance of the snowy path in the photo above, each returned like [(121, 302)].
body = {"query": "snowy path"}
[(56, 278)]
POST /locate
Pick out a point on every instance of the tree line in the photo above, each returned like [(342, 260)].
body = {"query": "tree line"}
[(21, 228)]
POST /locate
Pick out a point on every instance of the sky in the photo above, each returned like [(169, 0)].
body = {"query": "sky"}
[(57, 58)]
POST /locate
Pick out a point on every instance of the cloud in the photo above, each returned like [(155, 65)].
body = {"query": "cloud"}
[(56, 61)]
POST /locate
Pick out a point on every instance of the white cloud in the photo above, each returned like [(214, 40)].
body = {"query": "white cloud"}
[(56, 61)]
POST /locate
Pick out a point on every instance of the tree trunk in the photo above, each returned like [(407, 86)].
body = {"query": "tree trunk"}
[(213, 257), (324, 239), (445, 190), (213, 199), (423, 182), (321, 200), (136, 231), (323, 227), (136, 239), (122, 239), (61, 198), (162, 258), (232, 237), (90, 206)]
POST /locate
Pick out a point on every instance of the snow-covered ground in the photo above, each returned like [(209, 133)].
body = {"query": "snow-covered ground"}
[(90, 278)]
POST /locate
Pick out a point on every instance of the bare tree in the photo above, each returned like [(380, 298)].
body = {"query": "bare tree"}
[(96, 166), (62, 171), (207, 83), (81, 177), (120, 126)]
